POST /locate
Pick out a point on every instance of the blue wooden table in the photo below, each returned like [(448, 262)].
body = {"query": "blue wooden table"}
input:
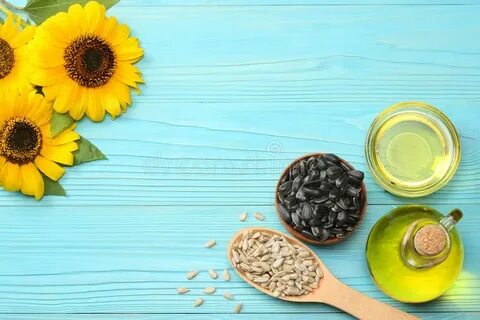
[(234, 91)]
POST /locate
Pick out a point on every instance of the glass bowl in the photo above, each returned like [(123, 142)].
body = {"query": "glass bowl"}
[(412, 149)]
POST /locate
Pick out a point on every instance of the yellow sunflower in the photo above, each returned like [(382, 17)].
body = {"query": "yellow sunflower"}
[(26, 145), (84, 61), (14, 66)]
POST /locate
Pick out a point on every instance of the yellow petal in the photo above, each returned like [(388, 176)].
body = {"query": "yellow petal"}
[(57, 154), (112, 105), (23, 37), (65, 137), (67, 96), (78, 106), (49, 168), (11, 177), (94, 13), (118, 34), (95, 110), (129, 50), (128, 74), (9, 29), (77, 18), (32, 181)]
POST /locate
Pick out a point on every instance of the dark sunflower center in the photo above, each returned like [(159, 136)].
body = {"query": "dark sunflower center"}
[(90, 61), (7, 58), (20, 140)]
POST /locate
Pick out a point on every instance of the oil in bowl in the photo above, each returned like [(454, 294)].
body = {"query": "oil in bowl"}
[(412, 149)]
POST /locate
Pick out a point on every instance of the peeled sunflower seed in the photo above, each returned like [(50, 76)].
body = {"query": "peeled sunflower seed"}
[(209, 290), (243, 216), (226, 275), (198, 302), (182, 290), (210, 243), (238, 308), (259, 216), (192, 274), (228, 295), (213, 274)]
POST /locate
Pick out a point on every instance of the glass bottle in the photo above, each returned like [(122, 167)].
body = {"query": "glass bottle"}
[(414, 253)]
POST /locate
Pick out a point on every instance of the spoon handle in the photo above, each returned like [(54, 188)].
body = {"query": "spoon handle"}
[(359, 305)]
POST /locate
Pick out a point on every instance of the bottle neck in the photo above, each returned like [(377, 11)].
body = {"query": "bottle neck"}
[(427, 243)]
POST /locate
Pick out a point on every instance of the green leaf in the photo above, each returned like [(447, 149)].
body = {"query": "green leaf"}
[(41, 10), (87, 152), (60, 122), (53, 188)]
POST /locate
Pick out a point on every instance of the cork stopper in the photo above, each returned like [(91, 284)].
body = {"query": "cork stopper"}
[(430, 240)]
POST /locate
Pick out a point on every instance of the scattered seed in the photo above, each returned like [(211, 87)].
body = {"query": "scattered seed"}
[(238, 308), (228, 295), (198, 302), (213, 274), (210, 243), (243, 216), (192, 274), (259, 216), (209, 290), (226, 275), (182, 290)]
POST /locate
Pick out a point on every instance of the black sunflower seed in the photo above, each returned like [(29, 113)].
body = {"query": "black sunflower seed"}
[(341, 181), (321, 210), (300, 195), (325, 186), (307, 212), (341, 219), (334, 171), (286, 186), (321, 164), (311, 163), (307, 234), (297, 220), (297, 183), (332, 158), (312, 193), (323, 175), (354, 182), (329, 203), (356, 174), (316, 222), (303, 169), (353, 192), (336, 231), (334, 194), (284, 214), (321, 199)]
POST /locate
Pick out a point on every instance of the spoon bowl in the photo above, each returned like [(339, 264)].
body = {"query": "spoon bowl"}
[(329, 290)]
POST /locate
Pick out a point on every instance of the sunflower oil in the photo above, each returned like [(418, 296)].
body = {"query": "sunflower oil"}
[(399, 270)]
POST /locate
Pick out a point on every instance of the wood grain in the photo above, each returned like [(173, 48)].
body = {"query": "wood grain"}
[(234, 92)]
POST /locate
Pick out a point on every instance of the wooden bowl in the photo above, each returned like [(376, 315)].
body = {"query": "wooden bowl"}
[(297, 234)]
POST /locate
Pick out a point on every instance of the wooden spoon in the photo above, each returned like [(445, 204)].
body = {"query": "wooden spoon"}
[(330, 290)]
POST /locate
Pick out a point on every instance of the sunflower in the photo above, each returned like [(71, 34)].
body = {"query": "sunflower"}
[(14, 66), (84, 61), (26, 145)]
